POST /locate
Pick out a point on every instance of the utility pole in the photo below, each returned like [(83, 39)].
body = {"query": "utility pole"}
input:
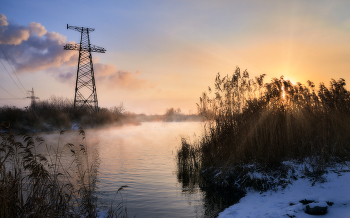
[(32, 98), (85, 87)]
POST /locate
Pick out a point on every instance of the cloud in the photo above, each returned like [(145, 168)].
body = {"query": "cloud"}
[(31, 48), (64, 77), (12, 34), (37, 28), (3, 20), (126, 79), (107, 74), (15, 34), (104, 69)]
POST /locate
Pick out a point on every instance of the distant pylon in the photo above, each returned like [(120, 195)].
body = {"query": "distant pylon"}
[(85, 87), (32, 98)]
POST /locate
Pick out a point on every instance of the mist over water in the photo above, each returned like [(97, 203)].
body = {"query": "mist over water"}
[(143, 158)]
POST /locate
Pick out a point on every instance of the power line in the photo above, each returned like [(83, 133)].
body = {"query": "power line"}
[(3, 51), (9, 92), (6, 99), (12, 78)]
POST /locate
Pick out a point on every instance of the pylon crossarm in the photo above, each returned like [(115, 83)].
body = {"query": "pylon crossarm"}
[(71, 47), (80, 29), (95, 48), (76, 46)]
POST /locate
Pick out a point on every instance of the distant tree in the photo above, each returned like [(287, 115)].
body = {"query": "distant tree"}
[(172, 112)]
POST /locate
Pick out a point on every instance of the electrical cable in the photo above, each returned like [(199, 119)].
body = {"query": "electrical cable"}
[(12, 78), (6, 99), (9, 92), (7, 59)]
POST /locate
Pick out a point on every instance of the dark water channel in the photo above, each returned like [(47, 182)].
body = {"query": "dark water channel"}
[(144, 158)]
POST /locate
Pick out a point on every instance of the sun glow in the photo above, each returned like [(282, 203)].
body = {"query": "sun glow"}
[(292, 81)]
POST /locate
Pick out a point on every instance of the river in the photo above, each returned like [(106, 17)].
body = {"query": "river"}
[(143, 158)]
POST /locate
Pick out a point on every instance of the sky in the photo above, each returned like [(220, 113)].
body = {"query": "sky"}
[(162, 54)]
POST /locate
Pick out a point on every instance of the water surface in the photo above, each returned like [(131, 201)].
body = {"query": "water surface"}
[(143, 157)]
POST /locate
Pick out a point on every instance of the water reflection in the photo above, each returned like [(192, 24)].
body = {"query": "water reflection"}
[(215, 198), (144, 158)]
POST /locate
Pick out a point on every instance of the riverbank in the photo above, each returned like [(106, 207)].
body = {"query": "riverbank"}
[(331, 189)]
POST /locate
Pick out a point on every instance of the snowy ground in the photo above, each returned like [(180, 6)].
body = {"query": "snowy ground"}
[(285, 203)]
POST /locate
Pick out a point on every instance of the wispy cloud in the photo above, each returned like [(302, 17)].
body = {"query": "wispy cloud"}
[(64, 77), (119, 78)]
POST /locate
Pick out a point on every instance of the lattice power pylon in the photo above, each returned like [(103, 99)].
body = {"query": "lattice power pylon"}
[(85, 87), (32, 98)]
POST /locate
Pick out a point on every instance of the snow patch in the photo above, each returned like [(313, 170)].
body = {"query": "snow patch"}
[(333, 191)]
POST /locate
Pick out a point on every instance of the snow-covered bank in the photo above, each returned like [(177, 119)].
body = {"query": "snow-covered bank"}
[(333, 188)]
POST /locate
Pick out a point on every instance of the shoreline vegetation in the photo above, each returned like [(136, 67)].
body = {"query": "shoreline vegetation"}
[(256, 132), (58, 113), (37, 181)]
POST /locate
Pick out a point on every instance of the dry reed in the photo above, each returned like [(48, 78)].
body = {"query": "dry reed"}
[(34, 184), (249, 122)]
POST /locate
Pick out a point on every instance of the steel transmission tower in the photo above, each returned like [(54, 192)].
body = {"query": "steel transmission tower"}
[(85, 87), (32, 98)]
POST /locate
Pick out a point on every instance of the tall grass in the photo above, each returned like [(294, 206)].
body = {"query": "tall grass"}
[(37, 181), (252, 122)]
